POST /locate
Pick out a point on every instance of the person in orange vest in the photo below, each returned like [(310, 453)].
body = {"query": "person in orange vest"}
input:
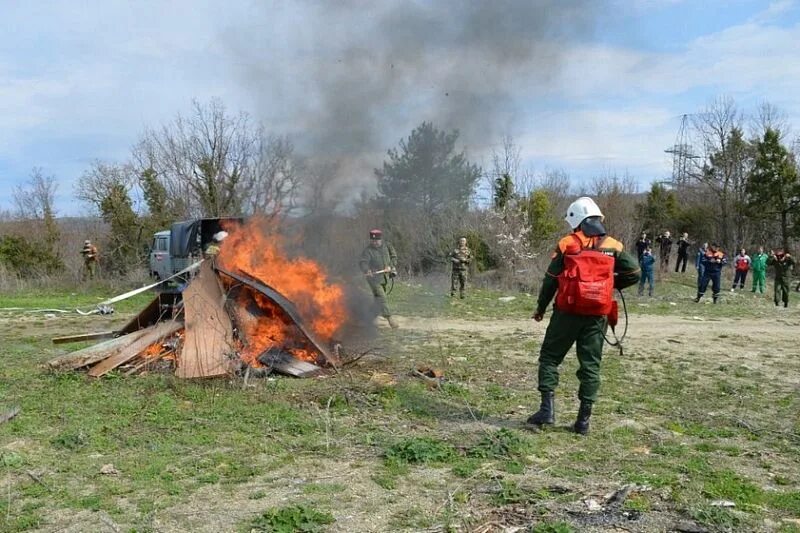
[(585, 268), (713, 261)]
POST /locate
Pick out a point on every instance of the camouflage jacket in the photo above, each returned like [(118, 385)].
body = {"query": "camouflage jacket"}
[(783, 267), (460, 258), (376, 258)]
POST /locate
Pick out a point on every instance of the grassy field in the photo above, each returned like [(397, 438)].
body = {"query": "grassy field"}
[(697, 428)]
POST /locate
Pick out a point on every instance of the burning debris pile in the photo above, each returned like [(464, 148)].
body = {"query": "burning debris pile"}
[(253, 308)]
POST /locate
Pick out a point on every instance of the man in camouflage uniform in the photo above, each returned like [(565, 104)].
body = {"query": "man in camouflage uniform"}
[(379, 264), (585, 331), (783, 264), (460, 259), (89, 253)]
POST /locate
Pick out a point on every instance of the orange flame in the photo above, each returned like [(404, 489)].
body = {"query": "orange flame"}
[(257, 250)]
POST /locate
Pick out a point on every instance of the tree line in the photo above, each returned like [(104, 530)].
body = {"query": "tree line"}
[(736, 188)]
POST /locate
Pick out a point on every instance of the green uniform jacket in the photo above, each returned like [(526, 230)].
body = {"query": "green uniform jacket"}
[(376, 258), (783, 269), (460, 258), (758, 263), (626, 268)]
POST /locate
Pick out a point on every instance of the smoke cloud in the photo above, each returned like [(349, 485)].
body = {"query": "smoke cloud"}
[(348, 79)]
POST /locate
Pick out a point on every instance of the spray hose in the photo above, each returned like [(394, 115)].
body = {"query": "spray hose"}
[(618, 340)]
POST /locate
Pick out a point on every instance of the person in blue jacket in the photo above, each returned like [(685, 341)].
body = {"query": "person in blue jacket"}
[(646, 264)]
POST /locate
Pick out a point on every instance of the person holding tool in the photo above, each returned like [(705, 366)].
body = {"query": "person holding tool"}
[(379, 264)]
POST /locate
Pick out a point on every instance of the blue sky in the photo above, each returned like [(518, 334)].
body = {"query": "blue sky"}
[(80, 81)]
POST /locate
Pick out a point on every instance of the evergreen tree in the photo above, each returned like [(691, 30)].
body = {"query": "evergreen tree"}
[(503, 191), (427, 173), (773, 187)]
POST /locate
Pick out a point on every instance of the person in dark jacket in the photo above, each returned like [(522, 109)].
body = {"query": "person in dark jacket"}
[(646, 263), (713, 261), (683, 252), (665, 240), (641, 245), (698, 263), (783, 264)]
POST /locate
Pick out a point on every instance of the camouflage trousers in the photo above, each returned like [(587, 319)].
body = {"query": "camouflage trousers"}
[(377, 285), (89, 269), (458, 279)]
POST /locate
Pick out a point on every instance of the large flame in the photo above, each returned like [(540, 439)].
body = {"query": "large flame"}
[(255, 249)]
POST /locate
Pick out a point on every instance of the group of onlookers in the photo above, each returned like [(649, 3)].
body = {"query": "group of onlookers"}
[(709, 260)]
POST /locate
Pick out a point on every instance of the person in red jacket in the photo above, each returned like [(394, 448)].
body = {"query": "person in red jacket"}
[(741, 266)]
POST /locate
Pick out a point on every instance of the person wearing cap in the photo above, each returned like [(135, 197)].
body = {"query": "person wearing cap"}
[(460, 258), (89, 253), (379, 263), (585, 331), (212, 250)]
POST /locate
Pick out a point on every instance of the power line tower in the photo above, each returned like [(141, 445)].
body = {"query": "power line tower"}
[(682, 155)]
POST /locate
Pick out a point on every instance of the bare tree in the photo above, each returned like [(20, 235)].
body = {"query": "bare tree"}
[(616, 197), (36, 198), (724, 167), (505, 171), (203, 157), (769, 117), (272, 177), (98, 182)]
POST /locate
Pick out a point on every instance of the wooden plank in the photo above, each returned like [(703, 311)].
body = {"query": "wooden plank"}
[(92, 354), (101, 335), (208, 341), (150, 336), (285, 363)]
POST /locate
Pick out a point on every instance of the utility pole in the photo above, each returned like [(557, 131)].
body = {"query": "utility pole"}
[(682, 155)]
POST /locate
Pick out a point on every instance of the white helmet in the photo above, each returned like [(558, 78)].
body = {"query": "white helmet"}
[(581, 209), (220, 236)]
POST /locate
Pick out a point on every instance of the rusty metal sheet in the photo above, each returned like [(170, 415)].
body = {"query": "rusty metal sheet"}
[(208, 341), (286, 306)]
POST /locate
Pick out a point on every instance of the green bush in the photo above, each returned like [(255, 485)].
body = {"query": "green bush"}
[(28, 258), (292, 519)]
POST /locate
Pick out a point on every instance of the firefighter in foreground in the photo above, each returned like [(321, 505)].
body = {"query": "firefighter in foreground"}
[(379, 264), (460, 259), (585, 268), (89, 253), (783, 264)]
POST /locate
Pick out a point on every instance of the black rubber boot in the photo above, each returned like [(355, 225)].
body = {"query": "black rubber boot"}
[(546, 415), (582, 423)]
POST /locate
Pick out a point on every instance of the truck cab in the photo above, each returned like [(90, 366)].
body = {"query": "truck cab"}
[(183, 244), (160, 261)]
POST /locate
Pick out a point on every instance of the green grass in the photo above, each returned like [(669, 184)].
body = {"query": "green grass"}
[(690, 425)]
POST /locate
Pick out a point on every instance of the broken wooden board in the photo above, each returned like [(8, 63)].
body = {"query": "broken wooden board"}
[(149, 336), (208, 341), (92, 354), (153, 313), (285, 363), (101, 335), (287, 307)]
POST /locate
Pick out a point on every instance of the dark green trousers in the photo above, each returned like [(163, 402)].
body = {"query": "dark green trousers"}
[(377, 285), (586, 333), (782, 290)]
